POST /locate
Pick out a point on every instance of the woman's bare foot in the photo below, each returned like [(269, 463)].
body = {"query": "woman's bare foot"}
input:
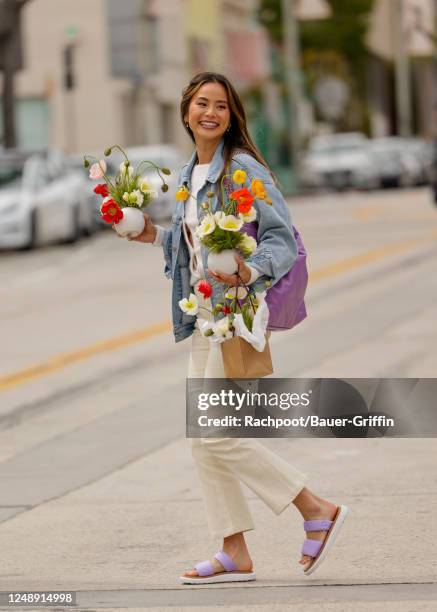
[(235, 547), (313, 508)]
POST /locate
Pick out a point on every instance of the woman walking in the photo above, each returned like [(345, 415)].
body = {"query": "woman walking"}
[(214, 118)]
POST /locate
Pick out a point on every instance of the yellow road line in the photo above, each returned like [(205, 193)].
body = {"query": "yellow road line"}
[(364, 258), (366, 212), (64, 359)]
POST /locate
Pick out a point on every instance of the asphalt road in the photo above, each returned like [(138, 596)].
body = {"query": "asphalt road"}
[(97, 490)]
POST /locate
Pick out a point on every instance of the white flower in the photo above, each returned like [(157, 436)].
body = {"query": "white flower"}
[(230, 294), (150, 194), (190, 306), (206, 328), (219, 215), (134, 197), (248, 217), (138, 197), (221, 329), (123, 169), (230, 223), (144, 184), (247, 245), (207, 226), (147, 188)]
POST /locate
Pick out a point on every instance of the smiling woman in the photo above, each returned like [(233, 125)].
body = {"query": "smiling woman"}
[(215, 120)]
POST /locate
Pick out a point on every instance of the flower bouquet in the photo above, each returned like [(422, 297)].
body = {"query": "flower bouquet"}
[(125, 195), (240, 329), (221, 231)]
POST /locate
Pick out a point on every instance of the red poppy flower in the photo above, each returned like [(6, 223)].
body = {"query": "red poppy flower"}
[(226, 310), (244, 199), (101, 189), (111, 211), (205, 288)]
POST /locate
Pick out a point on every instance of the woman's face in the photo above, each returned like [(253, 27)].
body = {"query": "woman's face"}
[(209, 115)]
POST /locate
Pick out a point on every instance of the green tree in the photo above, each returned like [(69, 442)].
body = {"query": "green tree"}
[(330, 46)]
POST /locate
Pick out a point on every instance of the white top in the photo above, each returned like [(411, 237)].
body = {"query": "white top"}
[(191, 221)]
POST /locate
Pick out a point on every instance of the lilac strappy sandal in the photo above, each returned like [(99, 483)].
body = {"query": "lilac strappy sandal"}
[(319, 549), (206, 573)]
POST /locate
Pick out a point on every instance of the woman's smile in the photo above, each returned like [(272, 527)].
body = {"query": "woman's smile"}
[(209, 125)]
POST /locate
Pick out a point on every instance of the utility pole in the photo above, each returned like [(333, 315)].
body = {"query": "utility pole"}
[(402, 72), (69, 85), (292, 79), (10, 62), (292, 11)]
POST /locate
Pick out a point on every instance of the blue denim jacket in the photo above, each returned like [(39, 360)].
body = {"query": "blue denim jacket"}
[(274, 256)]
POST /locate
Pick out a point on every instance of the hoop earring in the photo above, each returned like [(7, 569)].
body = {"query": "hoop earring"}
[(229, 127)]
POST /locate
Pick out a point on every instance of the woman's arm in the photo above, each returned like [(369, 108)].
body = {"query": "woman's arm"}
[(277, 248)]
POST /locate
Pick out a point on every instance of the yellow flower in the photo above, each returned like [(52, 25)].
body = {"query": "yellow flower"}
[(182, 194), (239, 177), (258, 189)]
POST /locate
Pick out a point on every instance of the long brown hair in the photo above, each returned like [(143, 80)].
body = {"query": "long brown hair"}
[(237, 137)]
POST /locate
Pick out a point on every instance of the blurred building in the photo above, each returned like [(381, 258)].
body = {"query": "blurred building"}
[(417, 35), (111, 53), (225, 36), (111, 71)]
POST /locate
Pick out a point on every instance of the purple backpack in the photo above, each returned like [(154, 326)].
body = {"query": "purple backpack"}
[(286, 298)]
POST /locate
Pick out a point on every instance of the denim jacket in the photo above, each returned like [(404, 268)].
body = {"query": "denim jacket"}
[(274, 256)]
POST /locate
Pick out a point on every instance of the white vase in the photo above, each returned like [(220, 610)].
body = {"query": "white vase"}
[(132, 223), (223, 262)]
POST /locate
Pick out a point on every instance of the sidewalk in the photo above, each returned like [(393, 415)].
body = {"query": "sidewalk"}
[(123, 540)]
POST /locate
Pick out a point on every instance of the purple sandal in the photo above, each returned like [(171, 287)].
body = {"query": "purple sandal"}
[(319, 549), (206, 573)]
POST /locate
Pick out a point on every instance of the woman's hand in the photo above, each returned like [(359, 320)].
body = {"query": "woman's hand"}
[(148, 234), (231, 279)]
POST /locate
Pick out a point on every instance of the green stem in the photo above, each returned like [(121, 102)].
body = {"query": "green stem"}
[(207, 309), (157, 168), (251, 303), (121, 150), (223, 192), (222, 188)]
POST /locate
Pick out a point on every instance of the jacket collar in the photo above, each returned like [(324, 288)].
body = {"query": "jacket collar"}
[(215, 168)]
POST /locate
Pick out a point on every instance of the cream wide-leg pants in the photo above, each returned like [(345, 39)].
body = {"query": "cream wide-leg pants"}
[(223, 463)]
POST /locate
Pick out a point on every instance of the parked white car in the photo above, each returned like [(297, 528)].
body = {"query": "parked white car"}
[(340, 161), (398, 165), (42, 200)]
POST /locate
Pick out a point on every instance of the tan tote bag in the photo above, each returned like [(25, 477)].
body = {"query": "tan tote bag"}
[(242, 360)]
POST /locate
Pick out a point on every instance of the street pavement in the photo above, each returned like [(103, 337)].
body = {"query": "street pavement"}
[(98, 493)]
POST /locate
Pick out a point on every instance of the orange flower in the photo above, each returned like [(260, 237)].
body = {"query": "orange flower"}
[(244, 200), (258, 189)]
